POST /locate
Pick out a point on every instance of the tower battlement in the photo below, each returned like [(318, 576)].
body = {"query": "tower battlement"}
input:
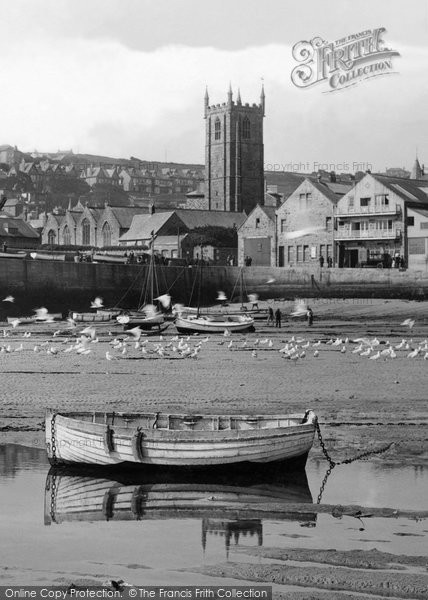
[(234, 154)]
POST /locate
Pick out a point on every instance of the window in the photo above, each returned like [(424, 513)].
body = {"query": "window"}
[(106, 233), (217, 129), (257, 223), (322, 250), (283, 225), (51, 237), (329, 250), (299, 253), (305, 253), (246, 129), (66, 236), (328, 223), (305, 201), (410, 221), (290, 254), (424, 225), (382, 200), (364, 202), (351, 202), (86, 233), (417, 245)]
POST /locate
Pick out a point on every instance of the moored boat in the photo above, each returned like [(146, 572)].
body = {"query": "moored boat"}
[(177, 439), (213, 323), (93, 317), (13, 255)]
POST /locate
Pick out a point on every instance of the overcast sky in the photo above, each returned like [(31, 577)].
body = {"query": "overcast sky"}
[(127, 77)]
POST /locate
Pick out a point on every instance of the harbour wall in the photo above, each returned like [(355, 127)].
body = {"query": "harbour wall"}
[(61, 286)]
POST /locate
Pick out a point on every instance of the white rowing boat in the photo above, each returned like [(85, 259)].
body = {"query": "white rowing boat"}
[(177, 439), (212, 323)]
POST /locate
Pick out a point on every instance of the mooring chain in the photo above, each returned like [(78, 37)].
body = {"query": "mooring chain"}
[(53, 498), (324, 481), (53, 441), (347, 461)]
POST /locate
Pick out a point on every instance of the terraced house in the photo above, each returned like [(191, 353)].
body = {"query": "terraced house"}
[(371, 220)]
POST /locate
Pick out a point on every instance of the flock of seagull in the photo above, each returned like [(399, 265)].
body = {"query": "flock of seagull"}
[(133, 343)]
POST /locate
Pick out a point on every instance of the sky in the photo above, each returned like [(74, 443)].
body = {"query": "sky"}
[(127, 78)]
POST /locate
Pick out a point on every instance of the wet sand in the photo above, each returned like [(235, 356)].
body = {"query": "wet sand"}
[(361, 404)]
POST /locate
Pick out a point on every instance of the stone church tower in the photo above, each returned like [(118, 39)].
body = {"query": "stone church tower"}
[(234, 168)]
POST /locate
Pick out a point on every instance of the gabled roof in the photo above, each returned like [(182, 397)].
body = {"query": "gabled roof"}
[(324, 188), (215, 218), (142, 226), (405, 188), (420, 211), (23, 229), (125, 214), (269, 211)]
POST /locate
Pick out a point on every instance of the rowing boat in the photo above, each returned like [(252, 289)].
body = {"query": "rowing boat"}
[(177, 439), (213, 323)]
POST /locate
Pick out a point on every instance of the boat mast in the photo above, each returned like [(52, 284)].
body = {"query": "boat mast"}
[(241, 287), (152, 261)]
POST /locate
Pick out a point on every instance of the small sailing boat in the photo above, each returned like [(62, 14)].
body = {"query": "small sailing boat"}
[(189, 321), (148, 315)]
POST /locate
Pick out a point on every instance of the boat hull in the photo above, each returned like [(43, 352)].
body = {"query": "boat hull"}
[(213, 324), (92, 317), (177, 440)]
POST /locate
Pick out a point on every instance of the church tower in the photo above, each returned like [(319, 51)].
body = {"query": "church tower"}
[(234, 167)]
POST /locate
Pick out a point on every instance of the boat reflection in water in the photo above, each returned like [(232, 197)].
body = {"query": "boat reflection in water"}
[(230, 503)]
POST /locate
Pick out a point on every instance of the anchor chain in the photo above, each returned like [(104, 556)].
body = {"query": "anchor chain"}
[(53, 440), (324, 481), (53, 498), (347, 461)]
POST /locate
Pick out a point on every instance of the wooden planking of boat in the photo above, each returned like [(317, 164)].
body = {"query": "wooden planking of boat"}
[(178, 439), (211, 323), (76, 494), (94, 317)]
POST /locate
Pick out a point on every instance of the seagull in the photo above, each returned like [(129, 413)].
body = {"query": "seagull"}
[(230, 344), (15, 323), (366, 352), (317, 344), (414, 353), (343, 349), (42, 314), (374, 357), (109, 356), (55, 333), (226, 333), (221, 296), (316, 353), (270, 280), (254, 354), (408, 322), (97, 303), (135, 332), (8, 299)]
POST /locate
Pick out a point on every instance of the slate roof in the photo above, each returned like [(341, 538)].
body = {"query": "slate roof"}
[(404, 187), (23, 229), (142, 226), (215, 218), (125, 214)]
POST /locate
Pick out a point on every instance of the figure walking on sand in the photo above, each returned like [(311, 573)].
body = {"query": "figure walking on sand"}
[(270, 316), (277, 318), (310, 316)]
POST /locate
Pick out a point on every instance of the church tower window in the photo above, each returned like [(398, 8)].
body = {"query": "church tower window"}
[(246, 128), (217, 129)]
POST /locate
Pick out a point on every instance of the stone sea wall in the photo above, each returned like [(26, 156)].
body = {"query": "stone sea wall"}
[(65, 285)]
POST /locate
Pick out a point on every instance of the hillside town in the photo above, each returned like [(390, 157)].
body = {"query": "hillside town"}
[(235, 210)]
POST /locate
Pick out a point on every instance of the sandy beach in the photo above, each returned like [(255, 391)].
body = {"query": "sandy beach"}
[(362, 404)]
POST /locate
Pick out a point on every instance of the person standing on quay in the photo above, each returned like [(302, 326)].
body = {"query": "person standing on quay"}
[(310, 316), (321, 261), (277, 318), (270, 316)]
